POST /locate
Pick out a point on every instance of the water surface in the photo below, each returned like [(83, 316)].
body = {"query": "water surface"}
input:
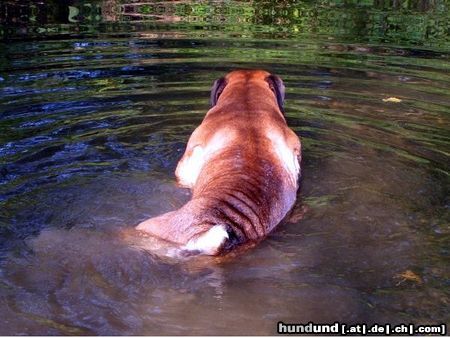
[(92, 127)]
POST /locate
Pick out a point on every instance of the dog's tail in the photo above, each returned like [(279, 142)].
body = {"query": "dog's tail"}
[(184, 227)]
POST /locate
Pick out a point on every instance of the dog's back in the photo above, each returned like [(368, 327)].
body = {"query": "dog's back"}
[(242, 164)]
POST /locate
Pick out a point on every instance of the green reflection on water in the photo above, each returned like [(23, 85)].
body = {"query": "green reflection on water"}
[(403, 22)]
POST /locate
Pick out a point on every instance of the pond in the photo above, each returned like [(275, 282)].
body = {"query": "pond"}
[(97, 102)]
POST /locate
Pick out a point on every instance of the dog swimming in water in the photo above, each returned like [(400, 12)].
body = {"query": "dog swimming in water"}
[(242, 165)]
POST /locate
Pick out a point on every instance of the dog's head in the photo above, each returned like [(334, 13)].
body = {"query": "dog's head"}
[(273, 83)]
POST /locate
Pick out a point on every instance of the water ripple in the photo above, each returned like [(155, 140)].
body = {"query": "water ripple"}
[(91, 132)]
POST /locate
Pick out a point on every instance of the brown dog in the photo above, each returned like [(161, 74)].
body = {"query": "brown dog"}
[(242, 164)]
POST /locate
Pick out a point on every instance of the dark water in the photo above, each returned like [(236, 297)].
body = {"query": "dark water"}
[(92, 127)]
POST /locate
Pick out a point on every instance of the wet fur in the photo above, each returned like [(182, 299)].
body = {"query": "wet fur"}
[(242, 164)]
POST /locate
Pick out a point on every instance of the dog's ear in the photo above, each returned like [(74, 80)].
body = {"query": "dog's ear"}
[(216, 90), (277, 86)]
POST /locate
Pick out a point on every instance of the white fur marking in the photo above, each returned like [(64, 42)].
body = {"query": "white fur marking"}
[(189, 167), (286, 155), (209, 242)]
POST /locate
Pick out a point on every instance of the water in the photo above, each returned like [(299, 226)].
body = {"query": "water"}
[(93, 124)]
